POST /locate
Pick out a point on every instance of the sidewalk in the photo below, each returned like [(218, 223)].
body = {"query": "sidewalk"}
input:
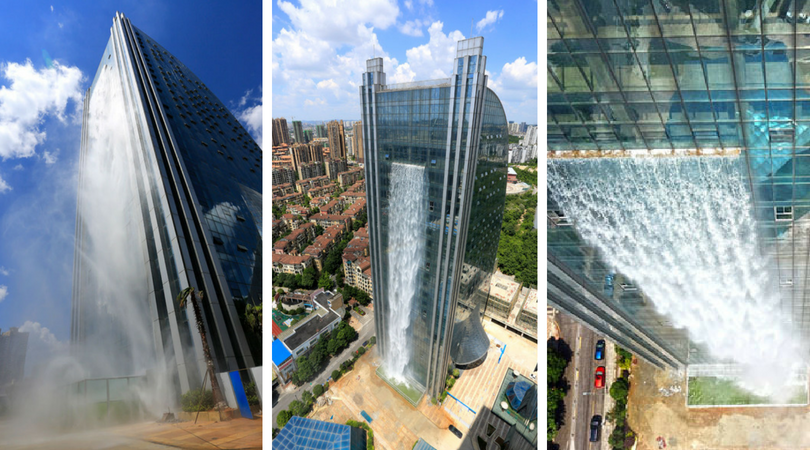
[(613, 372), (237, 434)]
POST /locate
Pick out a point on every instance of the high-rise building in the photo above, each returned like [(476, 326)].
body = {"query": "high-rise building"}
[(357, 141), (435, 185), (13, 347), (321, 129), (298, 132), (281, 135), (334, 167), (337, 140), (307, 136), (283, 175), (316, 151), (522, 127), (706, 79), (169, 197)]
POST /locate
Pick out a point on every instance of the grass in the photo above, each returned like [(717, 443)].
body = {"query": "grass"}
[(410, 393), (707, 391), (279, 317)]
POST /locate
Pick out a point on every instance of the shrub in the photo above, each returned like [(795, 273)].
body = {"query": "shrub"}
[(193, 401), (335, 374), (251, 393), (362, 350), (284, 416), (317, 390), (373, 340), (456, 373)]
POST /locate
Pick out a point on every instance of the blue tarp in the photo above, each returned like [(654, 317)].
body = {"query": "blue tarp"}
[(280, 352)]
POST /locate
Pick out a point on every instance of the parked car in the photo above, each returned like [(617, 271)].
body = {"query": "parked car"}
[(596, 425), (599, 380), (455, 431), (599, 353)]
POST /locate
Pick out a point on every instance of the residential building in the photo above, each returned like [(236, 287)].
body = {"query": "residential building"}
[(327, 220), (337, 140), (283, 361), (357, 141), (350, 176), (310, 170), (299, 210), (283, 175), (334, 167), (323, 244), (301, 337), (355, 210), (305, 185), (315, 152), (166, 172), (325, 190), (321, 131), (294, 242), (307, 136), (281, 135), (283, 189), (451, 166), (298, 132), (511, 176), (13, 348), (291, 264), (309, 434), (295, 197)]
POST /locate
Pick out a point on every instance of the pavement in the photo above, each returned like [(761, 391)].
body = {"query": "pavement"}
[(583, 400), (289, 393), (237, 434)]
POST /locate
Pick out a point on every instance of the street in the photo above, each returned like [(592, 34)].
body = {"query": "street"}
[(583, 400), (287, 396)]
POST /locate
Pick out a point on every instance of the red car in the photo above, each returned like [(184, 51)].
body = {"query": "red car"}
[(599, 381)]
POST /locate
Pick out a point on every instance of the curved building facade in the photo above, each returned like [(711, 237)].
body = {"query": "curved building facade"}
[(449, 138)]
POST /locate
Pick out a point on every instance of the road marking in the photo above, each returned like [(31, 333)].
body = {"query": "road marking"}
[(579, 343)]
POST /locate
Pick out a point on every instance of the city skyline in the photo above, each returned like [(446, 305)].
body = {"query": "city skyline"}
[(320, 49), (49, 57)]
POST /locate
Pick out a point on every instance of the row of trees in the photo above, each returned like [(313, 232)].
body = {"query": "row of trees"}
[(558, 357), (328, 345), (622, 436), (517, 250)]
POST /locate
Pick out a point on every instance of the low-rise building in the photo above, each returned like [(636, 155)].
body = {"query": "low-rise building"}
[(349, 176), (326, 190), (352, 197), (335, 167), (289, 199), (323, 244), (291, 264), (511, 175), (299, 210), (283, 189), (283, 175), (503, 294), (305, 334), (301, 433), (305, 185), (327, 220), (356, 209), (333, 207), (278, 228), (283, 361), (294, 242), (318, 202)]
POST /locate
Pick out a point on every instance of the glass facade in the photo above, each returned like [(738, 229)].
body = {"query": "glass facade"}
[(684, 77), (456, 130), (309, 434), (193, 209)]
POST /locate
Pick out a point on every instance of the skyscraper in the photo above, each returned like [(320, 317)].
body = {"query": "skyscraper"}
[(298, 132), (357, 141), (693, 80), (13, 347), (321, 129), (435, 170), (169, 197), (337, 140), (281, 135)]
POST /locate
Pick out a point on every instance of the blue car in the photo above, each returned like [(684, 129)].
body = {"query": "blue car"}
[(599, 354)]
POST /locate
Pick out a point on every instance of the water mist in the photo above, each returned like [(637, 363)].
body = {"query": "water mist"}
[(683, 230)]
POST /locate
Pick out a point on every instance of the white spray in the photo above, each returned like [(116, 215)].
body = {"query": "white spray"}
[(683, 230)]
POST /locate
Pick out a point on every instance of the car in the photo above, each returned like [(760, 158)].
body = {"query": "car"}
[(455, 431), (599, 380), (599, 353), (365, 343), (596, 425)]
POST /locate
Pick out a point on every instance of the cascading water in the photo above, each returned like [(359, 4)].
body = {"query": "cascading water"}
[(405, 249), (683, 230)]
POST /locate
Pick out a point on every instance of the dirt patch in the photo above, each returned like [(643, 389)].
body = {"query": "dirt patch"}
[(657, 408)]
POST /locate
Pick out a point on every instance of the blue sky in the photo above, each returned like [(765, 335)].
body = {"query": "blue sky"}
[(49, 52), (320, 48)]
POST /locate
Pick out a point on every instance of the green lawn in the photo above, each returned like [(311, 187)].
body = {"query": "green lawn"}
[(718, 391)]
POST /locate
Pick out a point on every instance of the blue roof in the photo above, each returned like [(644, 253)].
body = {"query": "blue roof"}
[(515, 392), (422, 445), (280, 352), (308, 434)]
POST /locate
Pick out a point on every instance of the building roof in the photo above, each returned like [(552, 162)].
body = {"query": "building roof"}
[(503, 289), (308, 327), (511, 171), (276, 329), (280, 352), (290, 259), (422, 445), (302, 433)]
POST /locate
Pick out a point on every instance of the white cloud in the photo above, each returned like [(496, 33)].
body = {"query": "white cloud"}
[(337, 22), (4, 187), (44, 335), (3, 271), (490, 18), (3, 292), (409, 4), (18, 167), (327, 84), (51, 8), (32, 95), (50, 157), (412, 28), (434, 59), (251, 116), (403, 74), (317, 101), (516, 86)]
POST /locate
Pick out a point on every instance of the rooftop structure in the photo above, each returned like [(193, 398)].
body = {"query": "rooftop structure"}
[(308, 434)]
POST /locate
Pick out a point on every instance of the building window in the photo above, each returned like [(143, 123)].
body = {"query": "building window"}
[(786, 282), (430, 207), (559, 219), (783, 213)]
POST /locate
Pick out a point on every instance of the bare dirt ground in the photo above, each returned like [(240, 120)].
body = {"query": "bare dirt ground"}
[(657, 408)]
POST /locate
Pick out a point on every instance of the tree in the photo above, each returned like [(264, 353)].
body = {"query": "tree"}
[(306, 396), (318, 230), (555, 365), (325, 281), (332, 346), (361, 350), (284, 416), (317, 390), (253, 316), (373, 340), (306, 201), (182, 297), (297, 408), (335, 374), (619, 389)]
